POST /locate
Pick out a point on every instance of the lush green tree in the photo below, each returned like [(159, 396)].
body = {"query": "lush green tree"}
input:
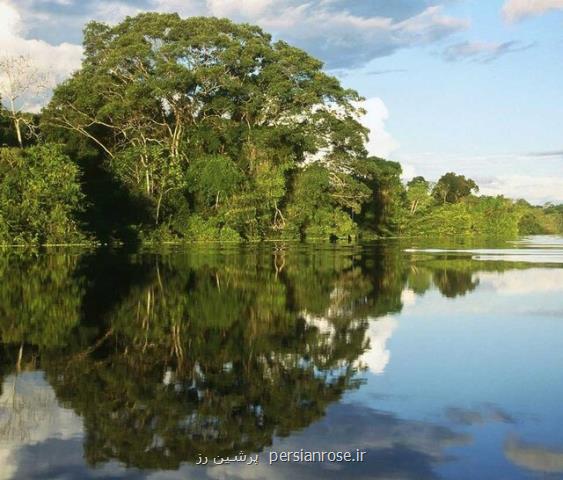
[(458, 213), (159, 96), (443, 220), (40, 196), (555, 215), (320, 201), (537, 220), (418, 194), (203, 129), (451, 187), (494, 216), (214, 178), (382, 213), (484, 216)]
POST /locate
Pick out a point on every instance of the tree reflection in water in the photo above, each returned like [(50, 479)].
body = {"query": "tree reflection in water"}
[(169, 356)]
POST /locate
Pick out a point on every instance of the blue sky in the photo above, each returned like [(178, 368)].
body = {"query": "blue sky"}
[(472, 86)]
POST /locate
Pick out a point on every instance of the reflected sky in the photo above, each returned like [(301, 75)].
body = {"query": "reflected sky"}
[(29, 416), (439, 366)]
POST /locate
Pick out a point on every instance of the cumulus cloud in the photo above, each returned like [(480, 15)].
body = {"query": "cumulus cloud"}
[(341, 33), (249, 8), (14, 42), (381, 143), (345, 40), (515, 10), (482, 52), (41, 54)]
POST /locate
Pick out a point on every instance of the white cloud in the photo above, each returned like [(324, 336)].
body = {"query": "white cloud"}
[(514, 10), (59, 61), (535, 189), (228, 8), (381, 143), (114, 12), (344, 40), (344, 34), (341, 38), (409, 171), (499, 174), (422, 25)]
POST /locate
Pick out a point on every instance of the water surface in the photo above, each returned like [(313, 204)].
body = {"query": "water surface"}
[(438, 361)]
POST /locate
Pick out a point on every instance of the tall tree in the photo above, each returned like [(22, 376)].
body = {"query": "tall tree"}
[(451, 187), (418, 194), (382, 213), (157, 92)]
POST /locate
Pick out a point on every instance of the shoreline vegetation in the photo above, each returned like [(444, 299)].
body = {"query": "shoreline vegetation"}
[(202, 130)]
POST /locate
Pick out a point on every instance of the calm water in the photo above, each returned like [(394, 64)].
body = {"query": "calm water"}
[(442, 362)]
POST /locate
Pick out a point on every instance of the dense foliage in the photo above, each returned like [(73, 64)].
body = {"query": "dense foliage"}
[(448, 208), (40, 196), (202, 129), (7, 133), (211, 124)]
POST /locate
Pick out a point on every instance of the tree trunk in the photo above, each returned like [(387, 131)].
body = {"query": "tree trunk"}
[(18, 131), (158, 205), (16, 119)]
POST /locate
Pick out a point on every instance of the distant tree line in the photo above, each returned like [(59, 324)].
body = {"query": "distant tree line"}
[(450, 207), (203, 129)]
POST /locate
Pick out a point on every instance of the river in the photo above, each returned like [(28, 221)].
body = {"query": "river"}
[(422, 360)]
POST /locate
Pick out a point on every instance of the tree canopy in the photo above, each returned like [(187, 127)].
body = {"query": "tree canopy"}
[(203, 107), (200, 129), (452, 187)]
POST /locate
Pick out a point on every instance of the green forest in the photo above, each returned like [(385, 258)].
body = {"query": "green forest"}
[(201, 129)]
